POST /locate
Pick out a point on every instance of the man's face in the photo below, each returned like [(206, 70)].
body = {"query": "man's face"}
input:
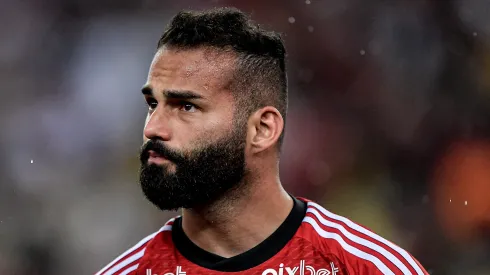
[(193, 153)]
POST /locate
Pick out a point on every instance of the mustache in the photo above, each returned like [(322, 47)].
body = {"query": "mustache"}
[(160, 148)]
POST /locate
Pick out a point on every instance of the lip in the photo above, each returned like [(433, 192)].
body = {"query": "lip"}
[(155, 158)]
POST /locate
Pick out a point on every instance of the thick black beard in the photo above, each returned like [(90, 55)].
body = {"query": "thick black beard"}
[(200, 177)]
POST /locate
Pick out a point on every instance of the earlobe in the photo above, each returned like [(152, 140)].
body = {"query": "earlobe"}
[(268, 125)]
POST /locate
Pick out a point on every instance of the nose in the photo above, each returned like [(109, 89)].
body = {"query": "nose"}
[(157, 126)]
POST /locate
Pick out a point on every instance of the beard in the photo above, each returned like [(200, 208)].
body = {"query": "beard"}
[(200, 177)]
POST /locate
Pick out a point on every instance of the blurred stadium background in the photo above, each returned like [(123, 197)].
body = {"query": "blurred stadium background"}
[(389, 124)]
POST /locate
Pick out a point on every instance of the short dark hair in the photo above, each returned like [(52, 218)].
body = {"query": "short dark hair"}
[(259, 78)]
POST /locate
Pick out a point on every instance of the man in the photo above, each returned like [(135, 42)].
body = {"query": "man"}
[(217, 98)]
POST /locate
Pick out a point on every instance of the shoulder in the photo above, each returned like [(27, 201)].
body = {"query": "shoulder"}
[(128, 261), (361, 250)]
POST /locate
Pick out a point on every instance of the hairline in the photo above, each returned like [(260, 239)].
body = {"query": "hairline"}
[(241, 114)]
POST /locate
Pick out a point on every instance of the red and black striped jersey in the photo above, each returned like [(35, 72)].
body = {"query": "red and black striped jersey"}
[(312, 240)]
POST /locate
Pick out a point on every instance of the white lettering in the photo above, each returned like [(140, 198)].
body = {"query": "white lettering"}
[(334, 269), (322, 271), (281, 269), (269, 271), (177, 272), (311, 270), (291, 271), (302, 268)]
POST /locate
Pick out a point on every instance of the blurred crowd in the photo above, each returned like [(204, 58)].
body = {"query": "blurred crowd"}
[(388, 124)]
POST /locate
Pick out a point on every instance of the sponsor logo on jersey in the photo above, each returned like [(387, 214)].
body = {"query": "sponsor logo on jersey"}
[(177, 272), (302, 269)]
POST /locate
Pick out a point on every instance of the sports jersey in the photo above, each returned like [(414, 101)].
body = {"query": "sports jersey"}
[(311, 241)]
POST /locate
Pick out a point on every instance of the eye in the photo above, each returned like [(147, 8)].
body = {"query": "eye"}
[(152, 103), (188, 107)]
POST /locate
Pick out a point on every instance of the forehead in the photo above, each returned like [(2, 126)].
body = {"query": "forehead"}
[(202, 70)]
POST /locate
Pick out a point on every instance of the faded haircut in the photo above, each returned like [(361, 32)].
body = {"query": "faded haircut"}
[(259, 77)]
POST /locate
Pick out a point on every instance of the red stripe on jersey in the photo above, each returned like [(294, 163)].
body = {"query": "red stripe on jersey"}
[(387, 252), (127, 270), (131, 270), (394, 254), (340, 247), (124, 258), (123, 261), (348, 238)]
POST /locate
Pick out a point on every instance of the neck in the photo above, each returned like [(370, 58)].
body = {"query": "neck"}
[(238, 222)]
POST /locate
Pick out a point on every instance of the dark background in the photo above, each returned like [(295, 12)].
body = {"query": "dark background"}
[(388, 124)]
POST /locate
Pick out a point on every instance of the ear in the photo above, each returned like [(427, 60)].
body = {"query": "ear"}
[(265, 128)]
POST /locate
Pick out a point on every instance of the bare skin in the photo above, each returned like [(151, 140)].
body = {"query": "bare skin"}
[(241, 219)]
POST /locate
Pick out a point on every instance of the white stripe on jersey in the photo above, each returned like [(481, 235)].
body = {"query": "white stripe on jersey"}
[(125, 263), (138, 245), (354, 251), (166, 228), (104, 270), (361, 241), (363, 230), (129, 269)]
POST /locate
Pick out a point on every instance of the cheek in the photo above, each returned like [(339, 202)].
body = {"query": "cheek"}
[(207, 134), (204, 129)]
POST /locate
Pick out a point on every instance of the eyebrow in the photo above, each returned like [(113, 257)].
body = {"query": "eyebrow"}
[(173, 94)]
